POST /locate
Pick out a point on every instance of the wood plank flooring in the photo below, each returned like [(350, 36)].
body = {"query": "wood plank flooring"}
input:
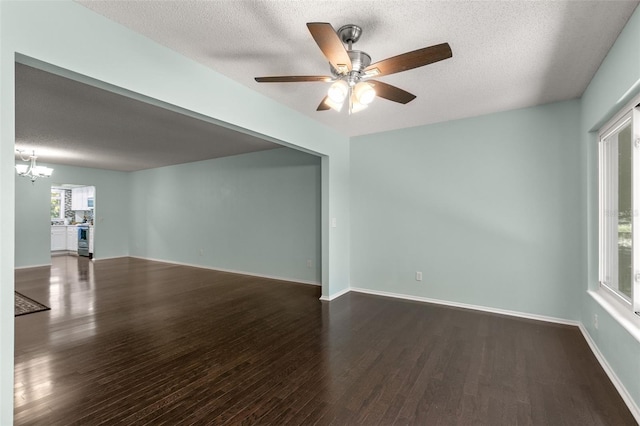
[(135, 342)]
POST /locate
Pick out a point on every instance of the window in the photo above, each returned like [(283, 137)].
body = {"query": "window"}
[(57, 204), (619, 170)]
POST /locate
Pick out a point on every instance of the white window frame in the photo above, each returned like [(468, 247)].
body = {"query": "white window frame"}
[(607, 196), (62, 200)]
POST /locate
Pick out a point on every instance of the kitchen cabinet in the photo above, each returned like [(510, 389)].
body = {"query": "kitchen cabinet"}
[(76, 199), (58, 238), (79, 198), (82, 198), (64, 238), (72, 238)]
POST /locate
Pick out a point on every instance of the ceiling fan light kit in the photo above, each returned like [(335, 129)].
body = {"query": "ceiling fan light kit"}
[(352, 71)]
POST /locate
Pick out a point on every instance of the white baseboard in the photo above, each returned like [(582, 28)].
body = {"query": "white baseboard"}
[(108, 258), (33, 266), (251, 274), (468, 306), (335, 295), (64, 253), (622, 390)]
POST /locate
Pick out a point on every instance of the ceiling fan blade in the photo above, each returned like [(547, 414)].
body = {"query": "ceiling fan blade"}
[(323, 106), (294, 79), (391, 93), (410, 60), (329, 42)]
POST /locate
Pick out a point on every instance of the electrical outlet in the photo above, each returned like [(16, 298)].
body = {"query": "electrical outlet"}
[(595, 321), (309, 263), (418, 276)]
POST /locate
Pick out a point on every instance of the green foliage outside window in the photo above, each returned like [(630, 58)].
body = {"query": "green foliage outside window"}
[(56, 205)]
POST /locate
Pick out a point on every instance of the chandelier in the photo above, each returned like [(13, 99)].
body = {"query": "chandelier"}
[(31, 170)]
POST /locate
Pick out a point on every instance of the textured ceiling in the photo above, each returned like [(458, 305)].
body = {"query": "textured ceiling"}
[(67, 122), (506, 55)]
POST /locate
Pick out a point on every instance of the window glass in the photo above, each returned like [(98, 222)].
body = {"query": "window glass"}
[(617, 209), (57, 204), (625, 211)]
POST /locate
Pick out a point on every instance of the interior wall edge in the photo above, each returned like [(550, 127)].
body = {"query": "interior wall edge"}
[(334, 296)]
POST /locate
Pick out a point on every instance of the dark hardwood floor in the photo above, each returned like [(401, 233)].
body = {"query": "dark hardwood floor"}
[(135, 342)]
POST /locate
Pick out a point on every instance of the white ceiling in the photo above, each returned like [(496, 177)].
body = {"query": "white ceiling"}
[(506, 54), (68, 122)]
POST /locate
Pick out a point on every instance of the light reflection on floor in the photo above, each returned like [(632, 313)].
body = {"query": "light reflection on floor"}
[(71, 286), (68, 287), (32, 380)]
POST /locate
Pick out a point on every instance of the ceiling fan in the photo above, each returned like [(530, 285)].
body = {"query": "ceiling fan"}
[(352, 70)]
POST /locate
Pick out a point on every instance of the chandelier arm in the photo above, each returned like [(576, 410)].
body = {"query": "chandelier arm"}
[(21, 152)]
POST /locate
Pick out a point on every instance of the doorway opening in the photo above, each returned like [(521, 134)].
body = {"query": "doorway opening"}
[(72, 219)]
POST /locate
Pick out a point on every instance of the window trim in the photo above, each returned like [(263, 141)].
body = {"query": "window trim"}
[(635, 135), (62, 193), (623, 315), (629, 114), (607, 196)]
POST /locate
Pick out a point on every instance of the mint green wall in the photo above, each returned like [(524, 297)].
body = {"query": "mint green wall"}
[(67, 35), (32, 223), (614, 85), (257, 213), (488, 208)]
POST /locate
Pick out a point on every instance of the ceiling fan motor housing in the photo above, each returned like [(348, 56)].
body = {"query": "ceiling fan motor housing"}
[(359, 61)]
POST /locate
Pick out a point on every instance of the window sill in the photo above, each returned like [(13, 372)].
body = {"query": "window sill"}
[(622, 314)]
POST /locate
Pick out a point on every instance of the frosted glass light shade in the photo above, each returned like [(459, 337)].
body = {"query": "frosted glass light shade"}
[(44, 171), (338, 91), (357, 106), (22, 168), (364, 93), (354, 105), (336, 106)]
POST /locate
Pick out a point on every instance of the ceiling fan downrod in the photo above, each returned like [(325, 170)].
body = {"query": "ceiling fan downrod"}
[(349, 34)]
